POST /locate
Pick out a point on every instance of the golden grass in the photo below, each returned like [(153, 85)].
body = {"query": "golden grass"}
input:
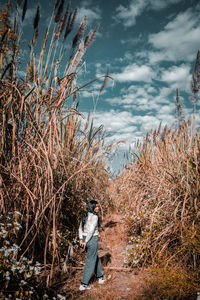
[(159, 195), (49, 165)]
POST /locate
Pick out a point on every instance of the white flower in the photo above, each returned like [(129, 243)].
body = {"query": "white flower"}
[(37, 272), (45, 295), (13, 268), (6, 253), (24, 258), (23, 282)]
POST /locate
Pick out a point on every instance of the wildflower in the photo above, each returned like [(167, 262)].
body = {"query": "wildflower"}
[(13, 268)]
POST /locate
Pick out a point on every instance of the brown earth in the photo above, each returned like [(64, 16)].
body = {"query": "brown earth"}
[(122, 282)]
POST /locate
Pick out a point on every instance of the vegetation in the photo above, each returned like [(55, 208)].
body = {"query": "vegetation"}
[(159, 194), (50, 162)]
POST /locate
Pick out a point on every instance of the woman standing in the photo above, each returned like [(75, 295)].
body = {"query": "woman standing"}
[(88, 235)]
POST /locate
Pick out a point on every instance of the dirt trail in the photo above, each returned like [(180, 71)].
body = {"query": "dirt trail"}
[(122, 283)]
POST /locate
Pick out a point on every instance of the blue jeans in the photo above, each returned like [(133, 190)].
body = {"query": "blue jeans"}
[(93, 263)]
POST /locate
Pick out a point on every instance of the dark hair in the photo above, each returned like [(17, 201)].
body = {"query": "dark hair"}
[(90, 208)]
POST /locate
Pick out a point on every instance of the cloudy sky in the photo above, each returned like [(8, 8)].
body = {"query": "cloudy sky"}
[(149, 48)]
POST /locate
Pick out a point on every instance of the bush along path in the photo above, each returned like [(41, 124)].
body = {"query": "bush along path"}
[(121, 281)]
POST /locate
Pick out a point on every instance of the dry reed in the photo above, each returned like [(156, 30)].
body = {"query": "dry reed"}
[(49, 166)]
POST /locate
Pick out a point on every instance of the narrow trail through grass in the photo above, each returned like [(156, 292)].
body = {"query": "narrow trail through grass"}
[(122, 282)]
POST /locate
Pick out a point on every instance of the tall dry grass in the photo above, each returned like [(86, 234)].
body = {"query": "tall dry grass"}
[(50, 164), (159, 194)]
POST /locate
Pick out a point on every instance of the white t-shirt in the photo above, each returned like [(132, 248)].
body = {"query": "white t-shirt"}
[(90, 227)]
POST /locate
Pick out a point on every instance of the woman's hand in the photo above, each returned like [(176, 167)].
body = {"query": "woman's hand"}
[(83, 244)]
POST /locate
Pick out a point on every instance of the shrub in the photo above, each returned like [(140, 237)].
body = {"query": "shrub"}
[(17, 274)]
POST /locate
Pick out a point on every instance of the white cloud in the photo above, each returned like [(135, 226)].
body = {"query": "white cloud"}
[(178, 77), (160, 4), (134, 72), (114, 121), (128, 14), (178, 41), (127, 57), (93, 14), (143, 99), (124, 124)]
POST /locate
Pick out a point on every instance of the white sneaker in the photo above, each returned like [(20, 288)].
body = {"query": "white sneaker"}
[(101, 280), (84, 287)]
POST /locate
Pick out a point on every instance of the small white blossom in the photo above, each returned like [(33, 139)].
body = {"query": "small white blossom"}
[(13, 268), (24, 258)]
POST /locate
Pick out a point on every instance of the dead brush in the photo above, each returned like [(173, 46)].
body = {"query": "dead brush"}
[(49, 165), (159, 195)]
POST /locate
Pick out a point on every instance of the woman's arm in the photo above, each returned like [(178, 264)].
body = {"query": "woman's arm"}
[(80, 231)]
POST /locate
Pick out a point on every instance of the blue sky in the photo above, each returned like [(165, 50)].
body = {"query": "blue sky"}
[(149, 47)]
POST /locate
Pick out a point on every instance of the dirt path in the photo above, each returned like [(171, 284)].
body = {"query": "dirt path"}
[(122, 283)]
